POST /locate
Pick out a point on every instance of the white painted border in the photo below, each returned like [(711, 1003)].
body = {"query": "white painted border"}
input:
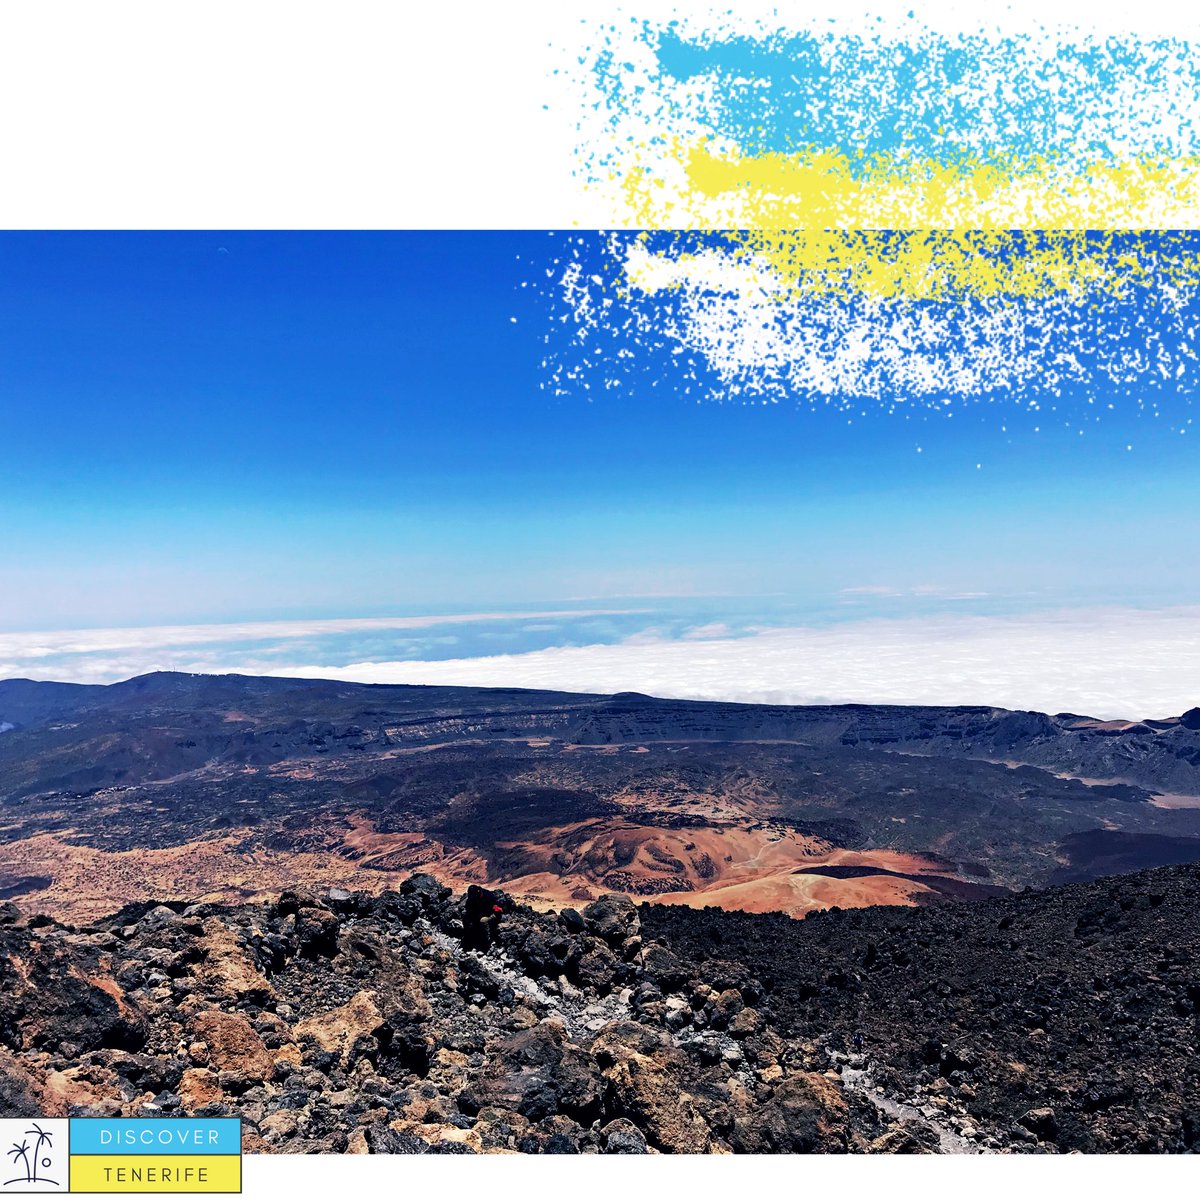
[(365, 114)]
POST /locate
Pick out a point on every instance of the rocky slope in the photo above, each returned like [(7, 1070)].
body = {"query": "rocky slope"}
[(345, 1022), (1065, 1019)]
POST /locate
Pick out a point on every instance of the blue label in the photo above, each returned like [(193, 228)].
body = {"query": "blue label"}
[(165, 1135)]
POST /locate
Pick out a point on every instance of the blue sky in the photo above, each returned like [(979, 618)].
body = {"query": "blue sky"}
[(239, 426)]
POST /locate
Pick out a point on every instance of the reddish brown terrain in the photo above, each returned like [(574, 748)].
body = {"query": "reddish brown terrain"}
[(749, 867), (233, 789)]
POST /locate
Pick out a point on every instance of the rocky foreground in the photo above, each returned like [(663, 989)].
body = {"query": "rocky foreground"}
[(343, 1022)]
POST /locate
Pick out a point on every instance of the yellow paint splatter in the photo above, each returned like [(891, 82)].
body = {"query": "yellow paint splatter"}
[(935, 265), (927, 231), (824, 189)]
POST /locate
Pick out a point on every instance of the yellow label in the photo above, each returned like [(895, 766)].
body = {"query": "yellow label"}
[(156, 1173)]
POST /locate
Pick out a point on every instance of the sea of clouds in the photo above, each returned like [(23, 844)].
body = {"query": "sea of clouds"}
[(1108, 663)]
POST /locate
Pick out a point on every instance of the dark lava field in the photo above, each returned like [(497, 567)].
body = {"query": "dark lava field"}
[(232, 788)]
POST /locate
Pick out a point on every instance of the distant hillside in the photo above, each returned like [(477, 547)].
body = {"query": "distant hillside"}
[(233, 786)]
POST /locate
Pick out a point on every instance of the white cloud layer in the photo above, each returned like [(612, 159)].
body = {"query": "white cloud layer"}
[(1108, 663), (1111, 663)]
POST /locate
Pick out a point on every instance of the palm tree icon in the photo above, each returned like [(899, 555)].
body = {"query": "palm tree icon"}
[(43, 1139), (20, 1150)]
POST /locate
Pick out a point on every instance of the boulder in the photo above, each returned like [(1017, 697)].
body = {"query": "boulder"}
[(20, 1092), (225, 968), (571, 920), (622, 1137), (664, 968), (341, 1031), (198, 1087), (806, 1115), (317, 932), (404, 1033), (745, 1024), (70, 1091), (232, 1044), (427, 891), (1042, 1122), (613, 917), (645, 1073)]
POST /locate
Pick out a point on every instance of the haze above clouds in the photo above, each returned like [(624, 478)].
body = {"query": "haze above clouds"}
[(252, 647)]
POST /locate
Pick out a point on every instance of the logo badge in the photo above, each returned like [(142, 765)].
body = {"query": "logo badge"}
[(115, 1154), (35, 1153)]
